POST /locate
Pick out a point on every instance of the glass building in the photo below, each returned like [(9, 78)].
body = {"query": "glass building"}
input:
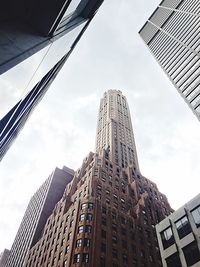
[(40, 35), (172, 35)]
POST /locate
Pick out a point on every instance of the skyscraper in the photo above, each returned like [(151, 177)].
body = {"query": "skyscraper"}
[(108, 212), (172, 35), (48, 30), (39, 208), (114, 130)]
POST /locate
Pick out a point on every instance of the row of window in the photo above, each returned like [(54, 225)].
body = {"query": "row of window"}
[(191, 253), (182, 226)]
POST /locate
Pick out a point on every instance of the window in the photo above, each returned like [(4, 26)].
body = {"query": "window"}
[(90, 205), (124, 243), (80, 229), (89, 217), (103, 233), (104, 210), (196, 216), (86, 242), (191, 253), (114, 216), (114, 226), (103, 221), (125, 258), (82, 217), (78, 243), (102, 262), (103, 247), (183, 227), (67, 250), (77, 258), (84, 206), (65, 264), (69, 236), (173, 260), (88, 228), (71, 223), (114, 253), (85, 257), (167, 237), (114, 239)]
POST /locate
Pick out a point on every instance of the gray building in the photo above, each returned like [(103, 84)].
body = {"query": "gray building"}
[(39, 208), (3, 257), (172, 35), (179, 236)]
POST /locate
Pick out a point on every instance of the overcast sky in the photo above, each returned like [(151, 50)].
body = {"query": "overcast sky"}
[(61, 130)]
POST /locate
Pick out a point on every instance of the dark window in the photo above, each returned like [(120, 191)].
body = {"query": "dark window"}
[(103, 233), (123, 221), (86, 242), (114, 239), (191, 253), (88, 228), (102, 262), (104, 210), (114, 216), (114, 226), (125, 258), (85, 257), (196, 216), (114, 253), (173, 260), (183, 227), (167, 237), (89, 217), (77, 258), (103, 221), (103, 247), (124, 243), (90, 205)]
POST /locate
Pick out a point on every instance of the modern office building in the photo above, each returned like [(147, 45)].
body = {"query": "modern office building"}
[(28, 27), (172, 35), (108, 212), (45, 33), (179, 236), (39, 208), (3, 257)]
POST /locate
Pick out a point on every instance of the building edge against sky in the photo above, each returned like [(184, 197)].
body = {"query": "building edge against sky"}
[(172, 35), (179, 236), (108, 204), (39, 208), (71, 19)]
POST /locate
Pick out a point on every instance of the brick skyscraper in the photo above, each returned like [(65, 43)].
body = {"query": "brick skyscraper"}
[(107, 214)]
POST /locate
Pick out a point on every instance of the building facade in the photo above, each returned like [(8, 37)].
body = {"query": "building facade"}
[(39, 208), (179, 236), (108, 212), (3, 257), (172, 35)]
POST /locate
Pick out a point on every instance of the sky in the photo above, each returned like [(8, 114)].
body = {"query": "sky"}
[(61, 130)]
